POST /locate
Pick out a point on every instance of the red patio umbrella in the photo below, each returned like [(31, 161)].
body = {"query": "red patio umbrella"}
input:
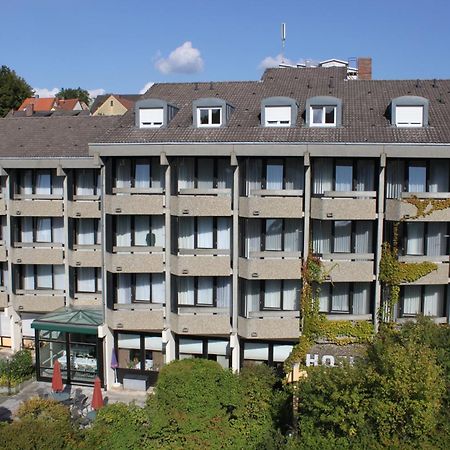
[(97, 398), (57, 384)]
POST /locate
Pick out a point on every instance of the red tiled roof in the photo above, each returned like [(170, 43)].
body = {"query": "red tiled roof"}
[(39, 104)]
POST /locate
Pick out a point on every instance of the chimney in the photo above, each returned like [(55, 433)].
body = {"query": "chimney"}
[(29, 110), (364, 68)]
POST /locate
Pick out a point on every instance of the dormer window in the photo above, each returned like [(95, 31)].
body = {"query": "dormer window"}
[(151, 117), (278, 112), (324, 112), (210, 112), (409, 112), (323, 116), (153, 113), (209, 117)]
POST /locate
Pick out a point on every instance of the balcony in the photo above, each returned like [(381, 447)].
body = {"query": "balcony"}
[(354, 205), (37, 301), (343, 267), (270, 325), (3, 298), (192, 320), (37, 253), (439, 276), (37, 205), (272, 203), (86, 256), (201, 264), (136, 316), (271, 265), (85, 207), (400, 209), (201, 202), (86, 299), (136, 260), (136, 203)]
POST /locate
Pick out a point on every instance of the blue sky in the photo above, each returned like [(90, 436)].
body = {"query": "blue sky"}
[(120, 46)]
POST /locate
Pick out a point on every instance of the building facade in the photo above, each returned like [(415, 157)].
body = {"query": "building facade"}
[(186, 221)]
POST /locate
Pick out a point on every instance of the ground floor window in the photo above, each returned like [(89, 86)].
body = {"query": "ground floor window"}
[(212, 349), (271, 353)]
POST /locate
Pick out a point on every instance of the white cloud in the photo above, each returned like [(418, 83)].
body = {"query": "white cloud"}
[(95, 92), (273, 61), (46, 93), (184, 59), (146, 87)]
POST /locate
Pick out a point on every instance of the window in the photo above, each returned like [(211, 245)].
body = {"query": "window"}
[(323, 116), (203, 173), (203, 291), (345, 298), (409, 112), (409, 116), (259, 235), (343, 175), (202, 233), (151, 117), (427, 300), (271, 174), (261, 295), (277, 116), (212, 349), (271, 353), (87, 182), (424, 238), (138, 173), (140, 351), (209, 117), (88, 280), (39, 182), (42, 276), (139, 231), (3, 275), (87, 232), (415, 176), (342, 236), (39, 230), (139, 288)]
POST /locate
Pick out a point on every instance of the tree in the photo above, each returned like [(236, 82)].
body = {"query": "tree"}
[(13, 90), (80, 94)]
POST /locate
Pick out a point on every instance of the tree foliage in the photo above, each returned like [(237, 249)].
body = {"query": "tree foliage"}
[(80, 94), (13, 90)]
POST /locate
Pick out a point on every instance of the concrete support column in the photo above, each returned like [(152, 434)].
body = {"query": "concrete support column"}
[(66, 186), (379, 242), (167, 335), (108, 345), (16, 329), (306, 206), (234, 343)]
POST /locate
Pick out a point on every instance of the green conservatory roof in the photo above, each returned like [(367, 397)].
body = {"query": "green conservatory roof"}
[(71, 320)]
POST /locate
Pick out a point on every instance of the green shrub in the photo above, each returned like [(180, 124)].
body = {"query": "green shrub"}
[(21, 364)]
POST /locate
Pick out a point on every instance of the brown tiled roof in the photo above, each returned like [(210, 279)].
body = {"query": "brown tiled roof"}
[(50, 137), (364, 119)]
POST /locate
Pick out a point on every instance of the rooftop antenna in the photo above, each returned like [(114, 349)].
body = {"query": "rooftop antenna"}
[(283, 41)]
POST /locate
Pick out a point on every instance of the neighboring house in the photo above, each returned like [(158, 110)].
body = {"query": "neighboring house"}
[(179, 230), (113, 104), (37, 104)]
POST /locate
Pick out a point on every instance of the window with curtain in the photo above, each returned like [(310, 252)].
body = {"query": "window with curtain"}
[(88, 280), (345, 298), (280, 295), (322, 175), (40, 230), (415, 238), (140, 288), (139, 231), (428, 300), (138, 173), (40, 182), (272, 174), (87, 182), (87, 231), (342, 236), (203, 232), (417, 177), (344, 175), (411, 300), (41, 276), (204, 173), (204, 291), (271, 235)]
